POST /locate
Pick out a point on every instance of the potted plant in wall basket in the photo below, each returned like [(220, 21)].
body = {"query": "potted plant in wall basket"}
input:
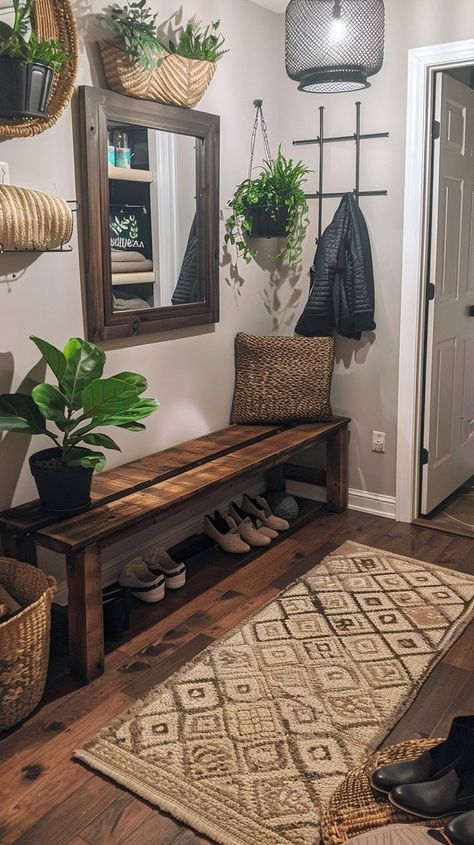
[(271, 206), (81, 403), (27, 65), (138, 63)]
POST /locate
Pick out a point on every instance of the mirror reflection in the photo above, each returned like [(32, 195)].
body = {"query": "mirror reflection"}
[(152, 218)]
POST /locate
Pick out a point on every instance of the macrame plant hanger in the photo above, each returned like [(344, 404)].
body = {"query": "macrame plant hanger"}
[(259, 122)]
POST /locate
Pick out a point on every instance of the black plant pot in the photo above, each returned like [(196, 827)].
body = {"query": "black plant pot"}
[(265, 224), (24, 89), (61, 489)]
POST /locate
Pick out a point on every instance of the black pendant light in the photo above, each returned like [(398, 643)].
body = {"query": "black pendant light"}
[(334, 45)]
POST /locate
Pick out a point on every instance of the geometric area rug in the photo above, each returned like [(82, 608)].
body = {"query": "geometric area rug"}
[(247, 742)]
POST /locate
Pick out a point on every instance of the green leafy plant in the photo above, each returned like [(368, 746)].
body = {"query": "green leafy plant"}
[(198, 42), (278, 186), (135, 25), (81, 402), (21, 43)]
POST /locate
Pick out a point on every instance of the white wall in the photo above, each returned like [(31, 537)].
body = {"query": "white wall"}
[(366, 376), (191, 374)]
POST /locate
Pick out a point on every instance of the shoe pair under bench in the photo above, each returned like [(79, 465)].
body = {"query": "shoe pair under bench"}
[(438, 783), (250, 525), (149, 577)]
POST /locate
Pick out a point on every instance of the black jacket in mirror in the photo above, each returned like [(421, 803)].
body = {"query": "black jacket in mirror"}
[(342, 296)]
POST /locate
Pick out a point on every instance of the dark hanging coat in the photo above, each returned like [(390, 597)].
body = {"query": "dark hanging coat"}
[(342, 296)]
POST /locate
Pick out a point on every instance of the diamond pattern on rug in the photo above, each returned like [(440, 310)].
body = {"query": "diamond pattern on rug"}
[(248, 741)]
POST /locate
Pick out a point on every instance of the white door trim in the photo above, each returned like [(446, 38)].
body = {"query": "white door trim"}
[(422, 64)]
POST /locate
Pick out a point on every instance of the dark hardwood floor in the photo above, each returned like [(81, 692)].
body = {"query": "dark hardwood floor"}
[(47, 799)]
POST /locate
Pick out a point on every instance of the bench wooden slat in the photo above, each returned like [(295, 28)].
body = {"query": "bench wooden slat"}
[(139, 508), (121, 481)]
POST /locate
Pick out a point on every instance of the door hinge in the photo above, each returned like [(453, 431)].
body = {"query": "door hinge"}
[(430, 291), (436, 130), (424, 457)]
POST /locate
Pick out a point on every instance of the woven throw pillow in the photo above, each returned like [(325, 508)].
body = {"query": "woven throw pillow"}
[(282, 379)]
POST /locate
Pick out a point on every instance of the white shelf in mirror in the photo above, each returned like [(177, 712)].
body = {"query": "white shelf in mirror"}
[(133, 278), (126, 174)]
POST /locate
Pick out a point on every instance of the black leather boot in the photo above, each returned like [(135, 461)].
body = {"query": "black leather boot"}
[(431, 764), (449, 795), (460, 831)]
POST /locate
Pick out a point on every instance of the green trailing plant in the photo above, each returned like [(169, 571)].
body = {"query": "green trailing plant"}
[(199, 42), (278, 186), (135, 25), (20, 41), (80, 403)]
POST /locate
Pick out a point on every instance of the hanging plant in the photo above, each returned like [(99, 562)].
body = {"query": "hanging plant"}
[(27, 65), (272, 205)]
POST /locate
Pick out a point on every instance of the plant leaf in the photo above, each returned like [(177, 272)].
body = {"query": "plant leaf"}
[(55, 359), (86, 458), (137, 381), (50, 402), (139, 411), (132, 426), (84, 364), (106, 397), (103, 440), (18, 412)]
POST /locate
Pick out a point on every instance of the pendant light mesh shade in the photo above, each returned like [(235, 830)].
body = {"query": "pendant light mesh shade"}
[(334, 45)]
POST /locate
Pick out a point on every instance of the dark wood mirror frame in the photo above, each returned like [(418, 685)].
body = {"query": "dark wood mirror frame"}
[(98, 106)]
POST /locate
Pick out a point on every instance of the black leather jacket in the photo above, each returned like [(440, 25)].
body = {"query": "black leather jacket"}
[(342, 296)]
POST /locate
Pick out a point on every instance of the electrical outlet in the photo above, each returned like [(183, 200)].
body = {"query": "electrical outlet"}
[(4, 173), (378, 441)]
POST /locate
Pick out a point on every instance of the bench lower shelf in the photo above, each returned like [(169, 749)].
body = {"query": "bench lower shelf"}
[(205, 570)]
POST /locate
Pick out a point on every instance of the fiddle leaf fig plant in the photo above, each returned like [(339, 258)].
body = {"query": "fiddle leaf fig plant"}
[(80, 403), (278, 187)]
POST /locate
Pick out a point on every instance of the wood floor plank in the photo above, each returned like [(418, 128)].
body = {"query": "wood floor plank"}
[(159, 829), (118, 821), (33, 784), (47, 799), (67, 817)]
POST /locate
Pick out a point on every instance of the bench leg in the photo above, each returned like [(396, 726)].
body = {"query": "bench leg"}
[(276, 479), (86, 629), (337, 452), (20, 547)]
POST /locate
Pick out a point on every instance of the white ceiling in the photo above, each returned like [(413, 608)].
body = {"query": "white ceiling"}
[(275, 5)]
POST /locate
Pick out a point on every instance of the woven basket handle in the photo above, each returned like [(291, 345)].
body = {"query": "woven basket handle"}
[(53, 585)]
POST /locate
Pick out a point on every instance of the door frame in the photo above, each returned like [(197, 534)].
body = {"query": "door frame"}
[(423, 62)]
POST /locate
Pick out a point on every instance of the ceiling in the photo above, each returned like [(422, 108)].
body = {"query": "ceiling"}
[(275, 5)]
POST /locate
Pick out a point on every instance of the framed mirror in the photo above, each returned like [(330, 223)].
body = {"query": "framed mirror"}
[(150, 206)]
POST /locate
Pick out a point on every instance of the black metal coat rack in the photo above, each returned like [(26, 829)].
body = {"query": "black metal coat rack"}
[(356, 137)]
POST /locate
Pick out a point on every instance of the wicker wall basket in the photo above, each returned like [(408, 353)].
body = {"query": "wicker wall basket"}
[(33, 220), (356, 808), (24, 641), (177, 81), (54, 19)]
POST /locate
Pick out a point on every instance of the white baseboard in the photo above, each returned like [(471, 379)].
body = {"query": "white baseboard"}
[(377, 504)]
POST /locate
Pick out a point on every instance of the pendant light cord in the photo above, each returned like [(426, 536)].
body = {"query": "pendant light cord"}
[(259, 121)]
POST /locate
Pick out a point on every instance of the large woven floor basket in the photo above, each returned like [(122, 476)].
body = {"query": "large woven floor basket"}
[(24, 640), (356, 808), (177, 81)]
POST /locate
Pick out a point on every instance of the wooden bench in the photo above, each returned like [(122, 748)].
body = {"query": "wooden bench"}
[(138, 494)]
